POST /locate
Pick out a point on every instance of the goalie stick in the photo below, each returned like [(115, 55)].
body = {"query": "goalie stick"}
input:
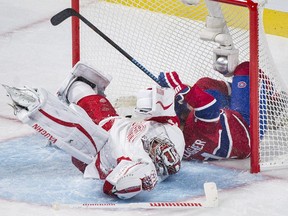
[(68, 12), (211, 195)]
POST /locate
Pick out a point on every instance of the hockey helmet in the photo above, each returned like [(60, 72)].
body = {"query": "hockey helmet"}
[(163, 154)]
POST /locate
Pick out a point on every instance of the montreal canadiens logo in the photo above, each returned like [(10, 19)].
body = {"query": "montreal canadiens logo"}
[(242, 84)]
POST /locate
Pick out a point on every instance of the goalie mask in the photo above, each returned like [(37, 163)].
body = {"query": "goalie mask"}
[(163, 154)]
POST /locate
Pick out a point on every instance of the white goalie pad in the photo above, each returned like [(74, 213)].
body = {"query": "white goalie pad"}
[(214, 26), (225, 60), (68, 128), (98, 80), (225, 56), (155, 101)]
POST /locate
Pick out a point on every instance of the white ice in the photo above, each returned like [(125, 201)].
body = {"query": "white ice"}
[(34, 53)]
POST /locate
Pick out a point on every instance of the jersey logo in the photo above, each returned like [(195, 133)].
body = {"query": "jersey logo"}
[(164, 107), (135, 130), (241, 84)]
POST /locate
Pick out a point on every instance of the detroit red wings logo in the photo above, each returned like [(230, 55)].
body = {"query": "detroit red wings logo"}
[(135, 129)]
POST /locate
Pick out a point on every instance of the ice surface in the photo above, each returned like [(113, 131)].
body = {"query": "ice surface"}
[(40, 174)]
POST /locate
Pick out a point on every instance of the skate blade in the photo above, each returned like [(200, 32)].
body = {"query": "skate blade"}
[(23, 97)]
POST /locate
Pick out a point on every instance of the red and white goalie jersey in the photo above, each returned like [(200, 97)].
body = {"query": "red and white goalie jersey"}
[(149, 148), (126, 141)]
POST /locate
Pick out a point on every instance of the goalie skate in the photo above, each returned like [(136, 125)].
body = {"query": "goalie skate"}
[(22, 98), (81, 72)]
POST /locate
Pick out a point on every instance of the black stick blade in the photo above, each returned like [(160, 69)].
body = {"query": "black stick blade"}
[(62, 15)]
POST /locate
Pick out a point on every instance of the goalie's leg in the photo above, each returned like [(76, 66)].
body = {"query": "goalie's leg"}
[(240, 99), (73, 131), (98, 81), (97, 106)]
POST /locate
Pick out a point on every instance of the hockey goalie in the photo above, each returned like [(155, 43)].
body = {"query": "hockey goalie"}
[(129, 155)]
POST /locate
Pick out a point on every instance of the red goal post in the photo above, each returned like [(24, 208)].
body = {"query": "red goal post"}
[(164, 36)]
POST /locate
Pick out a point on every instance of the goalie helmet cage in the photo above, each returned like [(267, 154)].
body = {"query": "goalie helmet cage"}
[(163, 35)]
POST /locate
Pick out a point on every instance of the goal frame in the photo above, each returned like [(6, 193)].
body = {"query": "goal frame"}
[(254, 68)]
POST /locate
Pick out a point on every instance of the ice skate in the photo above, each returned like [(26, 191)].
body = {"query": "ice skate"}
[(22, 98)]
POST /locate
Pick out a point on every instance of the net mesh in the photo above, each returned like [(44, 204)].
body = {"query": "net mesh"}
[(164, 36)]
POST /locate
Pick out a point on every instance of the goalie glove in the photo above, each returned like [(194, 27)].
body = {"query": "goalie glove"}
[(172, 80), (129, 178)]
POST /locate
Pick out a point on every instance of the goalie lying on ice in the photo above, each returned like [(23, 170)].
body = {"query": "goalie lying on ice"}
[(129, 155)]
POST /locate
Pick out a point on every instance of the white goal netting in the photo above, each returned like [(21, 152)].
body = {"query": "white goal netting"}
[(163, 35)]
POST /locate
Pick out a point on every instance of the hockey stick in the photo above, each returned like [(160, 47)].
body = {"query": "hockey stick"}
[(210, 190), (68, 12)]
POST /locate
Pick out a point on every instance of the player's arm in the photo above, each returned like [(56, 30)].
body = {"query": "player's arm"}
[(205, 105), (129, 178)]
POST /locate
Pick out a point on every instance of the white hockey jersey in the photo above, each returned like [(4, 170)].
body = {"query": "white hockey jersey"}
[(125, 143)]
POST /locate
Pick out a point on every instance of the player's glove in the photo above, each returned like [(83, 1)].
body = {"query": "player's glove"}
[(172, 80), (130, 178)]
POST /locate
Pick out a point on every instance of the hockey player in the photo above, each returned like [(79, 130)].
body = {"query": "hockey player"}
[(130, 155), (216, 122)]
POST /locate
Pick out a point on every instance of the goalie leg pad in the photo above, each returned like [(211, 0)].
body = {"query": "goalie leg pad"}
[(100, 79), (69, 129), (84, 73), (214, 26), (79, 90)]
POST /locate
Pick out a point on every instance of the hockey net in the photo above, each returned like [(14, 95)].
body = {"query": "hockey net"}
[(164, 35)]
